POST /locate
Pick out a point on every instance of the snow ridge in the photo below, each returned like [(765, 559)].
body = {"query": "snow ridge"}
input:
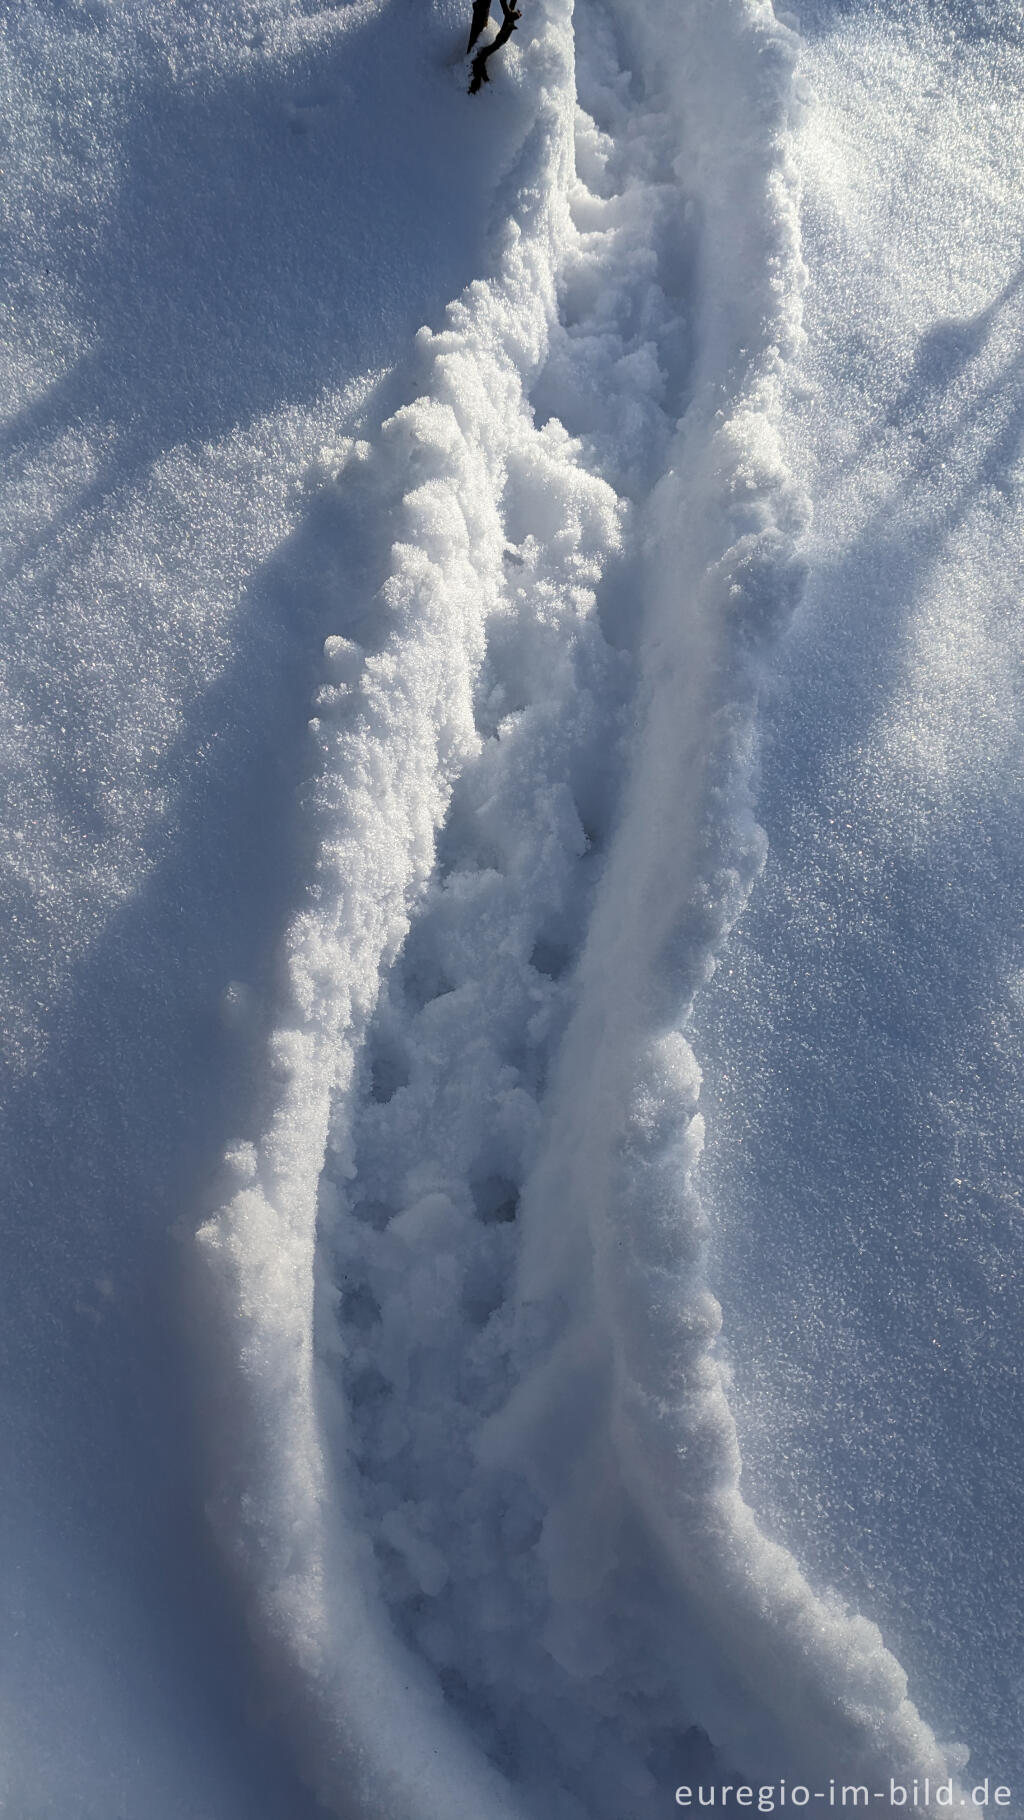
[(486, 1501), (393, 727), (611, 1223)]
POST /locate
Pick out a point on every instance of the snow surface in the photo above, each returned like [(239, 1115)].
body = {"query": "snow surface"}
[(437, 533)]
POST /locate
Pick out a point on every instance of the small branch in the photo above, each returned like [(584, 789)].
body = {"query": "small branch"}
[(510, 16), (481, 17)]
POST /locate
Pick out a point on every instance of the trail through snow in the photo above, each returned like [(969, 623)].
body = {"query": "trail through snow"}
[(471, 1361)]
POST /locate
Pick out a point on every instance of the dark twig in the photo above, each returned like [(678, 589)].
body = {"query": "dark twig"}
[(481, 17), (510, 16)]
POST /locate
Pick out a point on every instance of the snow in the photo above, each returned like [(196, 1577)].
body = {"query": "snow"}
[(877, 969), (509, 1266)]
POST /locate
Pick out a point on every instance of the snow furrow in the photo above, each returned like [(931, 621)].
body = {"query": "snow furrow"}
[(486, 1500)]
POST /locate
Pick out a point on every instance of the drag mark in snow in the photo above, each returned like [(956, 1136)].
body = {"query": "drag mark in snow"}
[(486, 1492)]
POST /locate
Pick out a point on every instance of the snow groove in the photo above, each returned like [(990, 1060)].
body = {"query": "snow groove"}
[(486, 1500), (448, 1118)]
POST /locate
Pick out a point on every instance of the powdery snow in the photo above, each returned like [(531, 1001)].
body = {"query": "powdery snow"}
[(382, 711)]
